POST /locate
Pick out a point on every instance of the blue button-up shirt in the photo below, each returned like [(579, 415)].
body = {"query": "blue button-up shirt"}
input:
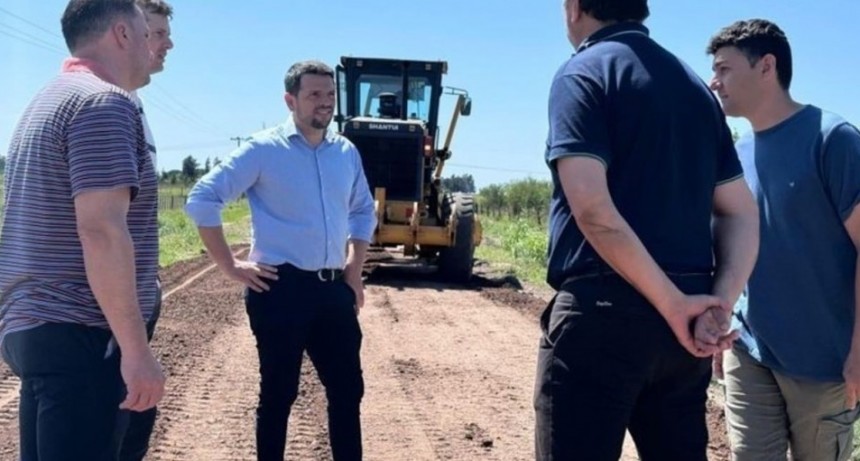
[(305, 202)]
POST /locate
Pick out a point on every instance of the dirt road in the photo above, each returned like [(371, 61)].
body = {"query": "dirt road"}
[(449, 372)]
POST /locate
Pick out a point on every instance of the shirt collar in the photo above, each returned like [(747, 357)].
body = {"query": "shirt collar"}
[(613, 30), (289, 130), (74, 64)]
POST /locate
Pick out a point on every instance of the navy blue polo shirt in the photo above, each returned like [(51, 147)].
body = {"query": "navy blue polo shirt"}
[(662, 136)]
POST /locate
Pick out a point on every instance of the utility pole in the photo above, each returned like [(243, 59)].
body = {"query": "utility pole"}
[(239, 140)]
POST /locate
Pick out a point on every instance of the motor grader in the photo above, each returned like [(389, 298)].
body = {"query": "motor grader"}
[(389, 108)]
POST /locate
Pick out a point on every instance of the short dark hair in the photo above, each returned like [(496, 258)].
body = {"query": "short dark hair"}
[(293, 80), (159, 7), (615, 10), (756, 38), (85, 20)]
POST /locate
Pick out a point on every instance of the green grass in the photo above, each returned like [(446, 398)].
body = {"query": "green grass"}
[(178, 238), (519, 244), (173, 189)]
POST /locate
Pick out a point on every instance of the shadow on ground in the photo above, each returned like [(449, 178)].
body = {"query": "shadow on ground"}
[(421, 274), (501, 287)]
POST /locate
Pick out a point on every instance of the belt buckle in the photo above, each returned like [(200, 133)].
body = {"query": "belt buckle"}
[(321, 275)]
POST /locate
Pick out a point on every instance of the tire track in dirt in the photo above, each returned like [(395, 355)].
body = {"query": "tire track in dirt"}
[(213, 397), (532, 304), (209, 353), (10, 384), (407, 430), (9, 397), (449, 374)]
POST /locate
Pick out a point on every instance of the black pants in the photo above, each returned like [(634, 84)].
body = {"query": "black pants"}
[(135, 441), (303, 313), (69, 392), (609, 362)]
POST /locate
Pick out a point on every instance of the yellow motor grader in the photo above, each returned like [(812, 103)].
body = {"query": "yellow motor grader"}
[(389, 108)]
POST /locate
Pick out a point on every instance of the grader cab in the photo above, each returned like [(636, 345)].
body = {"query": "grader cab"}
[(389, 108)]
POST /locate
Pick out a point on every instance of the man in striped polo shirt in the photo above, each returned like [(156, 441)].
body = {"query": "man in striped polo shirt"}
[(78, 243)]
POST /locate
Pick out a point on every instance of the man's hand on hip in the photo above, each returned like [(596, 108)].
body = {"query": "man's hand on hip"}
[(252, 275)]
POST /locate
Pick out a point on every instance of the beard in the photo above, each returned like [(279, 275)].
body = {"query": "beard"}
[(320, 124)]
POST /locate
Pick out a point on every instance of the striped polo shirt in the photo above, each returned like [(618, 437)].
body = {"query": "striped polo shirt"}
[(79, 134), (147, 132)]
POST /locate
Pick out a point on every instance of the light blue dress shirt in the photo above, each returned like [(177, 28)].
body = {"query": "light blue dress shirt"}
[(305, 202)]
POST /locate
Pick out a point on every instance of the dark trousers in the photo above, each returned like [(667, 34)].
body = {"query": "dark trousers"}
[(609, 362), (303, 313), (135, 441), (69, 392)]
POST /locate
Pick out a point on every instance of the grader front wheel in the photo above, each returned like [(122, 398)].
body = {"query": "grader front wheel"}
[(455, 262)]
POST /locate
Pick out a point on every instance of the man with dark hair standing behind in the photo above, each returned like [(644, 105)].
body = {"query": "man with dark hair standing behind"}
[(309, 201), (79, 243), (648, 196), (158, 14), (793, 377)]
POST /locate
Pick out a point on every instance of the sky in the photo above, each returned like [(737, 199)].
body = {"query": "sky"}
[(224, 78)]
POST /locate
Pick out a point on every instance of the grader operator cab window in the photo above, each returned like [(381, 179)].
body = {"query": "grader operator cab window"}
[(382, 96)]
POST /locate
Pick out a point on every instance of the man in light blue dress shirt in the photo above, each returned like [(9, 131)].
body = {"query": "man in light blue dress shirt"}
[(312, 218)]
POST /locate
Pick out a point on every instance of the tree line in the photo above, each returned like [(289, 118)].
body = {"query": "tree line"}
[(191, 171), (523, 198)]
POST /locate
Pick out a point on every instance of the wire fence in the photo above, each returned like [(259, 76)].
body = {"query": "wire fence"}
[(171, 201)]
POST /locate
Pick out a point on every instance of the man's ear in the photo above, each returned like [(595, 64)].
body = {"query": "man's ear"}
[(290, 100), (121, 33), (767, 67), (573, 9)]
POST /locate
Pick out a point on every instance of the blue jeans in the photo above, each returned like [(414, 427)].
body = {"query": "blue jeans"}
[(69, 392), (302, 313)]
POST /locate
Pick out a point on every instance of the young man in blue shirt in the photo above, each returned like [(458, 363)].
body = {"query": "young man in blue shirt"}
[(309, 201), (651, 226), (793, 377), (135, 442)]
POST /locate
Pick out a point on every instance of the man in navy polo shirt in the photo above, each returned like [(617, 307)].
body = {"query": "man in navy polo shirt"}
[(651, 226)]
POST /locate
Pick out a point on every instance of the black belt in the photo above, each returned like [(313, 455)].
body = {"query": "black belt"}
[(323, 275)]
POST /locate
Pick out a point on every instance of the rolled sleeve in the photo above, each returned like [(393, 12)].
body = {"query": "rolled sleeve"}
[(226, 182), (362, 211)]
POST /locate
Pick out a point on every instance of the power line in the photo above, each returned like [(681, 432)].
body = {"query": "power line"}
[(509, 170), (171, 106), (37, 44), (4, 10), (188, 110), (31, 37), (166, 108)]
